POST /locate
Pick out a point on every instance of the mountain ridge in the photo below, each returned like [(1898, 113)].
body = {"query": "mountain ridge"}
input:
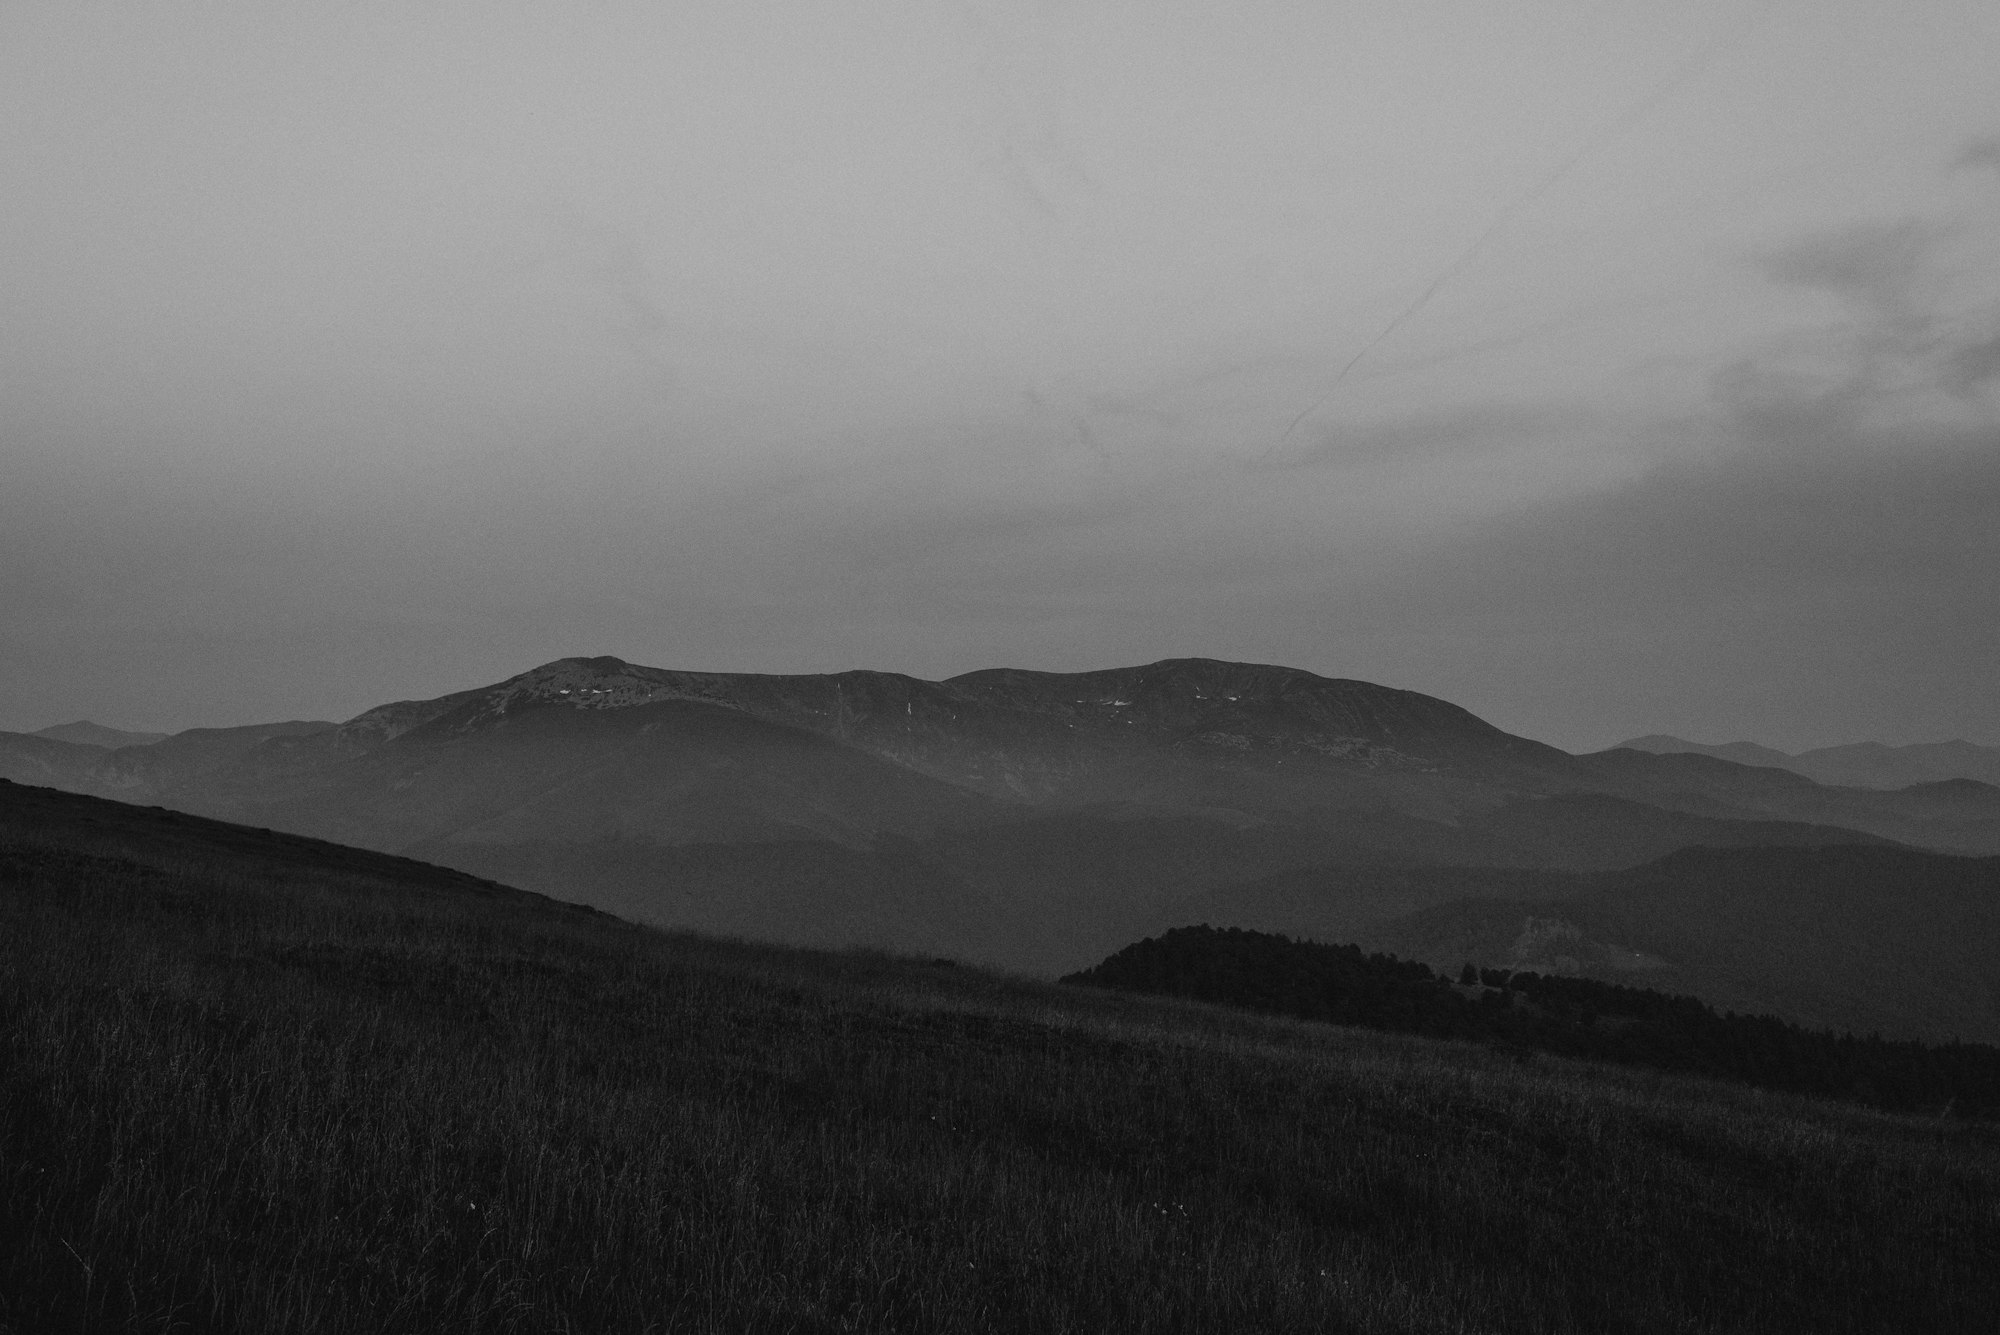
[(1854, 764), (85, 733), (1242, 743), (1022, 818)]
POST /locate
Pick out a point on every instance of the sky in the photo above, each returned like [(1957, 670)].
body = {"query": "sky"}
[(1604, 367)]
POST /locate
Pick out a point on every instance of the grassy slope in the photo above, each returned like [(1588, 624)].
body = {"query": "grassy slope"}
[(250, 1083)]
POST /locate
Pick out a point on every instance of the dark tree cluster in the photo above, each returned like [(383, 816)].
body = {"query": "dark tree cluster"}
[(1572, 1017)]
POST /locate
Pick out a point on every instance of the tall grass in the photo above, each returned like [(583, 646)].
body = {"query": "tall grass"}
[(283, 1099)]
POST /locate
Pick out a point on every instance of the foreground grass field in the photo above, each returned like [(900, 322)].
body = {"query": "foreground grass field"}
[(251, 1083)]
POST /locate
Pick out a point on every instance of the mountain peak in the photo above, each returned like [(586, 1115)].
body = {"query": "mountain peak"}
[(1166, 670), (600, 663), (602, 682)]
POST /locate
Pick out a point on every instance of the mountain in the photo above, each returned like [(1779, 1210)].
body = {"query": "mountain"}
[(1873, 765), (187, 759), (1959, 816), (1030, 819), (85, 733), (46, 762), (1579, 835), (1240, 744), (1741, 753), (1239, 741), (1026, 818), (175, 771), (1861, 765), (1858, 938)]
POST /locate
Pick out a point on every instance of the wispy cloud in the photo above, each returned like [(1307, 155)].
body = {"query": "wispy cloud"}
[(1911, 347), (1878, 265), (1828, 555)]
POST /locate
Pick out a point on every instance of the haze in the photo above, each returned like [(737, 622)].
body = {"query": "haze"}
[(1604, 368)]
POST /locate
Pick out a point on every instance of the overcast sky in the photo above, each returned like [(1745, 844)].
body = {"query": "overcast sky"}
[(1605, 368)]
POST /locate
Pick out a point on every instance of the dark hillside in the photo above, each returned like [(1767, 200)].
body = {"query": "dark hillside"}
[(1356, 903), (1860, 938), (44, 822), (1577, 1017), (253, 1083)]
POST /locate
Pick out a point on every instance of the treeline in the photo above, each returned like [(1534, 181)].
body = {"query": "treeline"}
[(1573, 1017)]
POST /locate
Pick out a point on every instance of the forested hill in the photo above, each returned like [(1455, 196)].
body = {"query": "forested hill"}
[(1573, 1017)]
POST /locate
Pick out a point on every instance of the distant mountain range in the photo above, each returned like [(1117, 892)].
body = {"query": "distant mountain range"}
[(1031, 819), (1860, 765), (85, 733)]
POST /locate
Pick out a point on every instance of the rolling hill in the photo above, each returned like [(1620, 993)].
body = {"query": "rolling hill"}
[(1846, 937)]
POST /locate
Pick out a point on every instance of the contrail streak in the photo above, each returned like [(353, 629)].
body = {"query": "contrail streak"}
[(1607, 135)]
